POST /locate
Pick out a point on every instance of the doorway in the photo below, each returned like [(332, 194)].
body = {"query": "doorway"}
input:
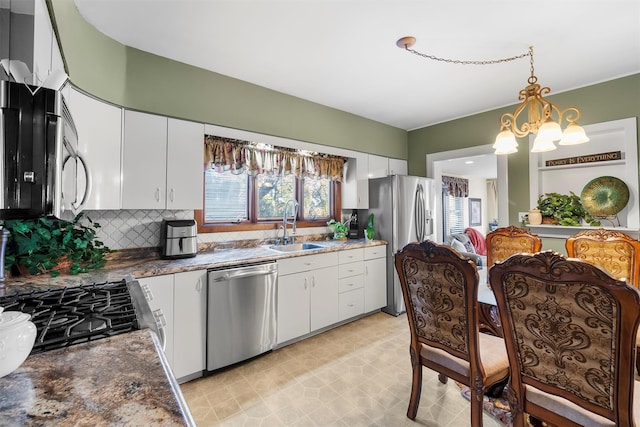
[(486, 165)]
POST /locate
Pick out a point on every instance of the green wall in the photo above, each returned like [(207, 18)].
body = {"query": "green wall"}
[(138, 80), (612, 100)]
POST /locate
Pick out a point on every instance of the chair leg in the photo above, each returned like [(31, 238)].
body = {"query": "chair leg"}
[(476, 408), (416, 387)]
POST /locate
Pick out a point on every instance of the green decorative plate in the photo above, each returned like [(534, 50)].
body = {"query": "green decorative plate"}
[(605, 196)]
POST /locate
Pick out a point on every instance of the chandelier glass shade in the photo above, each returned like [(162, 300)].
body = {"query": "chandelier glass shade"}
[(542, 118)]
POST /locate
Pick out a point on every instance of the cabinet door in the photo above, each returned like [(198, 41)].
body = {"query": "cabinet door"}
[(185, 141), (189, 322), (99, 127), (293, 306), (42, 42), (160, 300), (378, 166), (375, 284), (324, 297), (397, 167), (144, 161)]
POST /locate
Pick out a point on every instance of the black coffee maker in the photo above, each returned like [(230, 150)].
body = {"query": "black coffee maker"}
[(353, 226)]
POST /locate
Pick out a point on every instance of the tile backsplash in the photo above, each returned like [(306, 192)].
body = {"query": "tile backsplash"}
[(131, 229)]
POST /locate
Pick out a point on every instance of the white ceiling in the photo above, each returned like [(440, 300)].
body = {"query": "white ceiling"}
[(343, 54)]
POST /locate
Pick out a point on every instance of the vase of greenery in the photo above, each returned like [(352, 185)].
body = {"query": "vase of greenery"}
[(49, 245), (369, 232), (563, 209), (339, 229)]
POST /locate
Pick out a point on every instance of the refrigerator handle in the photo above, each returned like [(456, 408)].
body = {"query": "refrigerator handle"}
[(419, 213)]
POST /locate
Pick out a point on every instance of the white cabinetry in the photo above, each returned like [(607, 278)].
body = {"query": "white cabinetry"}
[(378, 166), (351, 283), (307, 294), (398, 167), (375, 277), (99, 127), (181, 299), (355, 185), (160, 298), (46, 55), (162, 162)]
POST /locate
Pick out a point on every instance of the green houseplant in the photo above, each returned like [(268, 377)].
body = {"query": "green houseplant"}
[(565, 209), (339, 229), (45, 245), (370, 232)]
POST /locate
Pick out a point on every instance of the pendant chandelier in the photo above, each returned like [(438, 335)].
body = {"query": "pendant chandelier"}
[(543, 118)]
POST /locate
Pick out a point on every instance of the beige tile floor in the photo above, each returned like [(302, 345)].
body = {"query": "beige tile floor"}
[(356, 375)]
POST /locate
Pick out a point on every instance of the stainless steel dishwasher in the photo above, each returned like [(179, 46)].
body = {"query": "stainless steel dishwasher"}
[(241, 313)]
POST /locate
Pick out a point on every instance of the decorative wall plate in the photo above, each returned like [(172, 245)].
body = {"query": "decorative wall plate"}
[(605, 196)]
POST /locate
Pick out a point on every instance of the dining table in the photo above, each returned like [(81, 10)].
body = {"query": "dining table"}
[(488, 316)]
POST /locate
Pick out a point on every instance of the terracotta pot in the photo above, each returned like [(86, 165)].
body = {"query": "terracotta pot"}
[(63, 266), (549, 220)]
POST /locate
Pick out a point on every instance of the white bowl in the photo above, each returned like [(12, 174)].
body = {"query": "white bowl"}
[(17, 336)]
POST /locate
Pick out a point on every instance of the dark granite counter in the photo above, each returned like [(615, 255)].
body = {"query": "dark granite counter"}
[(145, 266), (121, 380)]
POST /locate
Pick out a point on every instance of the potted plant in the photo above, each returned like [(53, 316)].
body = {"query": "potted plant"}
[(48, 245), (339, 229), (562, 209)]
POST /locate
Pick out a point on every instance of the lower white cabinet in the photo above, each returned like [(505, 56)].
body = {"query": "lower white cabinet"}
[(182, 298), (307, 294), (375, 277)]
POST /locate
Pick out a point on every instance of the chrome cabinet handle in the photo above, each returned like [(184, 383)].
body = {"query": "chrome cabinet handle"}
[(171, 194), (161, 323), (148, 295), (157, 194), (199, 285), (305, 283)]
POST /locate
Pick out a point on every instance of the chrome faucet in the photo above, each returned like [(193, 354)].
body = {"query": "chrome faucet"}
[(296, 205)]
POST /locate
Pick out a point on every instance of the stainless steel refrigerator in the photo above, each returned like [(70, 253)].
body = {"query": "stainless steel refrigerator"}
[(403, 213)]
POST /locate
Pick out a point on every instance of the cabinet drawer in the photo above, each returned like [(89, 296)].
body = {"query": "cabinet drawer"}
[(350, 255), (351, 283), (351, 303), (306, 263), (375, 252), (351, 269)]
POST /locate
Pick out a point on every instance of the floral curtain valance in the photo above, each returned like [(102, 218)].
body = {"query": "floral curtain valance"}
[(454, 186), (232, 154)]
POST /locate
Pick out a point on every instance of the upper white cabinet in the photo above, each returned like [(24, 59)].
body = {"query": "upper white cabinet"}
[(99, 127), (162, 162), (355, 184), (378, 166), (398, 167), (46, 54)]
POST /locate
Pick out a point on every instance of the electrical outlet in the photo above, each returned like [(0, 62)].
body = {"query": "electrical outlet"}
[(522, 216)]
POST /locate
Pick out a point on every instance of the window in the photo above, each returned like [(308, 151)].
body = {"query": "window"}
[(453, 215), (251, 193)]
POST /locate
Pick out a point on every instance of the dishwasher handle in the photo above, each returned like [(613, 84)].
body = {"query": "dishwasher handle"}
[(244, 272)]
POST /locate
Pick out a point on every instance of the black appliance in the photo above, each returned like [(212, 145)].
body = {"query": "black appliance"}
[(354, 232), (40, 166), (74, 315)]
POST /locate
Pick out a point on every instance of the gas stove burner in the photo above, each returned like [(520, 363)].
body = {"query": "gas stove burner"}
[(76, 315), (90, 324)]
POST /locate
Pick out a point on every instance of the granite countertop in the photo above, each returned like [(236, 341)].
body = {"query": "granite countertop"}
[(120, 380), (146, 266)]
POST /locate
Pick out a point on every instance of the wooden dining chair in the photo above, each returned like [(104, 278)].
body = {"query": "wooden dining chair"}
[(440, 289), (570, 330), (615, 252), (506, 241)]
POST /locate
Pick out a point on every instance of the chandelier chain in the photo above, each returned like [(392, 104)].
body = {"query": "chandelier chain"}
[(464, 62)]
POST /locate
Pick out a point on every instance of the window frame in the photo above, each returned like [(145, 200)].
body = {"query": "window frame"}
[(252, 224)]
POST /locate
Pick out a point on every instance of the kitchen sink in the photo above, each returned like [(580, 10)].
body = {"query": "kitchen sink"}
[(295, 247)]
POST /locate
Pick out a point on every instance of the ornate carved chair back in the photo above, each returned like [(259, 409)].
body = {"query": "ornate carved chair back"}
[(506, 241), (613, 251), (440, 290), (570, 330)]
